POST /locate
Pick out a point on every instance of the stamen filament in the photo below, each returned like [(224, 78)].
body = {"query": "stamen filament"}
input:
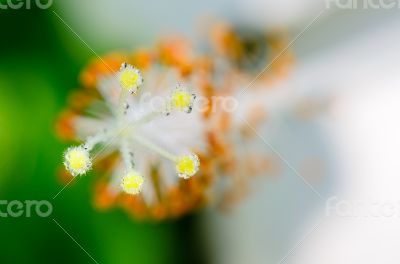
[(155, 148), (127, 156), (121, 103), (147, 118), (91, 142)]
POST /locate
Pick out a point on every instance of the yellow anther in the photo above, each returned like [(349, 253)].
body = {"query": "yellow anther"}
[(181, 99), (77, 160), (132, 183), (130, 78), (187, 166)]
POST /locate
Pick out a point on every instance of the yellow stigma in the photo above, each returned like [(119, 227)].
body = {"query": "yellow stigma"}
[(132, 183), (77, 160), (187, 166), (130, 78), (181, 99)]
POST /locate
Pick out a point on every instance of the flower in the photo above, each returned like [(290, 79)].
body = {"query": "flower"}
[(155, 154), (137, 128), (126, 129)]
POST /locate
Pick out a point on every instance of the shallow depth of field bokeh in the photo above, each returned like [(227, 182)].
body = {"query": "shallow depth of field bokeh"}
[(40, 62)]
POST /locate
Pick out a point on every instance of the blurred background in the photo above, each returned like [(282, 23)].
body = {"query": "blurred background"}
[(348, 57)]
